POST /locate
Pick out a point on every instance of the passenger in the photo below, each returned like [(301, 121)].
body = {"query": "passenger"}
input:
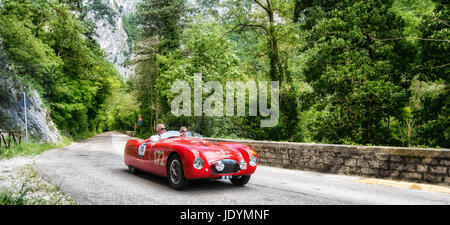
[(160, 129), (183, 132)]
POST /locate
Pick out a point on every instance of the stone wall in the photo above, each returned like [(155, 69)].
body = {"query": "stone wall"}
[(410, 164)]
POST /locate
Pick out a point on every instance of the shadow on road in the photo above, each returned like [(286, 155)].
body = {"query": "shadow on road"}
[(193, 186)]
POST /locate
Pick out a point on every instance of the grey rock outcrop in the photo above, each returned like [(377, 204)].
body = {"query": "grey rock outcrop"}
[(113, 38), (40, 125)]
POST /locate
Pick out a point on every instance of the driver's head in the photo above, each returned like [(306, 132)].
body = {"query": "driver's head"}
[(183, 132), (160, 128)]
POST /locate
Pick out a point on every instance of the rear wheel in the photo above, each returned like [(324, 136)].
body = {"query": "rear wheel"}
[(240, 181), (175, 173), (132, 170)]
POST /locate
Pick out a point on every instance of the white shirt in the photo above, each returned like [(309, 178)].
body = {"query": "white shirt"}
[(155, 138)]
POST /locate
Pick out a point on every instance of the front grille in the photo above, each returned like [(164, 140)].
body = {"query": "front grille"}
[(231, 166)]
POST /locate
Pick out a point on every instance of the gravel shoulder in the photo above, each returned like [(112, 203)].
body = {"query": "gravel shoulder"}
[(21, 184)]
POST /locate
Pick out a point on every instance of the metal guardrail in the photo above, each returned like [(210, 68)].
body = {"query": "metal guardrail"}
[(12, 135)]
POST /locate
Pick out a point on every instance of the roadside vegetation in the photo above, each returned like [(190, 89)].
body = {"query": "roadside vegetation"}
[(50, 46), (21, 185), (364, 72), (28, 188), (31, 149)]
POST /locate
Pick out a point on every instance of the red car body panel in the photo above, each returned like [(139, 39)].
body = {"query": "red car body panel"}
[(157, 154)]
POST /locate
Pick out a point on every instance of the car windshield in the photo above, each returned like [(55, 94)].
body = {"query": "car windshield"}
[(174, 133)]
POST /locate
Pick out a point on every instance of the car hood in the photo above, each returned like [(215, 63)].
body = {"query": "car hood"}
[(209, 150)]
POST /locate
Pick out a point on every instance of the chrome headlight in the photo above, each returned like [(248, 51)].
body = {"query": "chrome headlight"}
[(220, 165), (198, 163), (253, 160), (243, 165)]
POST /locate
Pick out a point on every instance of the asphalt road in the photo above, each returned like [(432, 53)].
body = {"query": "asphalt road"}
[(93, 172)]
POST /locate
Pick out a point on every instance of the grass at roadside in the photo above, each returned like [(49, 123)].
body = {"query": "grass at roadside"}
[(32, 148), (30, 189), (22, 185)]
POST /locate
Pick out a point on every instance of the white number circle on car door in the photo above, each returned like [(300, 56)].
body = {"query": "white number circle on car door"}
[(141, 151)]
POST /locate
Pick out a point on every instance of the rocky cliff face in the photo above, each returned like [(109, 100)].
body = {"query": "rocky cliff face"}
[(112, 37), (40, 125)]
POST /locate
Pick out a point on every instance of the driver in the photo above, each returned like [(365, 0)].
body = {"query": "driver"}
[(160, 129)]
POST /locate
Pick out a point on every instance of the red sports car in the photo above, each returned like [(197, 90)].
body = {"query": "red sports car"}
[(188, 158)]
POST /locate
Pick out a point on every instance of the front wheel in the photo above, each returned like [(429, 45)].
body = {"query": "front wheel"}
[(240, 181), (175, 173)]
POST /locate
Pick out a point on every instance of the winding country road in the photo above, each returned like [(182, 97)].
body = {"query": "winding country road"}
[(93, 172)]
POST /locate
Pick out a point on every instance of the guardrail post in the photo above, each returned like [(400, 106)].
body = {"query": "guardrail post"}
[(6, 142), (14, 139), (20, 137), (9, 141)]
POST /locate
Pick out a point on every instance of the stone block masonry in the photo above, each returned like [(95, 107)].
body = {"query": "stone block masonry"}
[(424, 165)]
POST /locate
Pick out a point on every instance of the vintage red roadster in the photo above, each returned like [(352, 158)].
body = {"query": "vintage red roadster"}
[(188, 158)]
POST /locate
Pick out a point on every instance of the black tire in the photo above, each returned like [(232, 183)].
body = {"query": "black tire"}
[(132, 170), (175, 173), (240, 181)]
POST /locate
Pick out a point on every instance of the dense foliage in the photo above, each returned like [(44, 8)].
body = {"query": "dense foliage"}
[(360, 72), (372, 72), (359, 81), (52, 50), (431, 112)]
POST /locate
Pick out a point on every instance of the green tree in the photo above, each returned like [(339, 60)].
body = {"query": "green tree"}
[(205, 51), (52, 51), (271, 20), (433, 113), (163, 19), (143, 81), (160, 25), (359, 77)]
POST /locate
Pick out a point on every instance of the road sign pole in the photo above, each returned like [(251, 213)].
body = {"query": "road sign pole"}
[(26, 122)]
